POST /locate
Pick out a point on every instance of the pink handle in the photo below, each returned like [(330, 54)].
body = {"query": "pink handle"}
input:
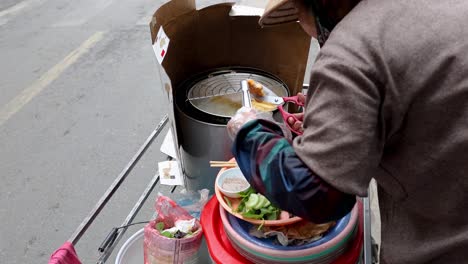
[(293, 99), (286, 115)]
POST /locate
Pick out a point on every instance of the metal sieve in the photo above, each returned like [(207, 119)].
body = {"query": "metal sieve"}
[(220, 94)]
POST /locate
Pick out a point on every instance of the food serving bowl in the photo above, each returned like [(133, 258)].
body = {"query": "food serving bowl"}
[(231, 204), (231, 182)]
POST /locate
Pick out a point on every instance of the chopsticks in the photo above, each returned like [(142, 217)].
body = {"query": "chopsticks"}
[(221, 164)]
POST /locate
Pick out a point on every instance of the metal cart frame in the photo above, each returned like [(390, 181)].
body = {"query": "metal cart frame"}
[(109, 244)]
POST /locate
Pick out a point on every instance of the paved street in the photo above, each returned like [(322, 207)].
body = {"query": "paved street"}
[(79, 94)]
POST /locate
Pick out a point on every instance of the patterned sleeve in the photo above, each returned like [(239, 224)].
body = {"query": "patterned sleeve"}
[(270, 164)]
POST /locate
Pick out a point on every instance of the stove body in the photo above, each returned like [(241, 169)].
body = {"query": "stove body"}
[(204, 104)]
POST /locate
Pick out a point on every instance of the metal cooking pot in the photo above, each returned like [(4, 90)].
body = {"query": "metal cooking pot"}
[(204, 104)]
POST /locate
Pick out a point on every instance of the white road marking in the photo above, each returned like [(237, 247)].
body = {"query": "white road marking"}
[(9, 13), (15, 105)]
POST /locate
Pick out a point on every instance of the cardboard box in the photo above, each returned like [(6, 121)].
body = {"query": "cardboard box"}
[(195, 41)]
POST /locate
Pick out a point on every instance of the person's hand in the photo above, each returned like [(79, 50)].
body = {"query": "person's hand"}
[(242, 116), (297, 124)]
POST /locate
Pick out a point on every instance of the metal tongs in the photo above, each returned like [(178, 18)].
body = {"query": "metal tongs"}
[(272, 98), (245, 94)]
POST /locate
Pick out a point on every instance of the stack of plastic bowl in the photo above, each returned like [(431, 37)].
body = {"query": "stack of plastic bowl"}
[(325, 250), (228, 239), (228, 236)]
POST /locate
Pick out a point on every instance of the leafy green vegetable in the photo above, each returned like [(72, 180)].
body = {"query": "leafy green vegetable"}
[(256, 206), (159, 226), (252, 215), (247, 193), (253, 202), (167, 234)]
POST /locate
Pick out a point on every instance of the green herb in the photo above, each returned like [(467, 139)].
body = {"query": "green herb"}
[(261, 225), (228, 201), (247, 193), (167, 234), (159, 226), (177, 234)]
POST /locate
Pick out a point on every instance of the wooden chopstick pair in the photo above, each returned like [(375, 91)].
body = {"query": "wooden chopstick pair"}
[(221, 164)]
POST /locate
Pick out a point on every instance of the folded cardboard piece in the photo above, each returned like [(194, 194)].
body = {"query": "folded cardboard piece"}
[(188, 41)]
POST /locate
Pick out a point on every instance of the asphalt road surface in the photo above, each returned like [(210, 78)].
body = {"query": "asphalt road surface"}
[(79, 94)]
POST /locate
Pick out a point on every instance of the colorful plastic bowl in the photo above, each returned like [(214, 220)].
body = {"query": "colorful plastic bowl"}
[(243, 228), (232, 177), (325, 252)]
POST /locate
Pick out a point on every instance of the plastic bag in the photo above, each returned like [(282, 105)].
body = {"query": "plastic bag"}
[(159, 249), (193, 201)]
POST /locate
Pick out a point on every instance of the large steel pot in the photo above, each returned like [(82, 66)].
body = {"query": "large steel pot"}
[(204, 105)]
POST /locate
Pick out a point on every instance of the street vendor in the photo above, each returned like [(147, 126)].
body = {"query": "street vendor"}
[(388, 99)]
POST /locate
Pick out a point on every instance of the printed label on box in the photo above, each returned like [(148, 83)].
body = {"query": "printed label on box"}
[(169, 173), (160, 45)]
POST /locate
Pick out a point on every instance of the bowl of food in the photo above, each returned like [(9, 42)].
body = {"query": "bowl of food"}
[(237, 206), (231, 182)]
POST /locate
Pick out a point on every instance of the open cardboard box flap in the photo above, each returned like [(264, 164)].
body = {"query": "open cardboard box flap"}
[(205, 39), (210, 38)]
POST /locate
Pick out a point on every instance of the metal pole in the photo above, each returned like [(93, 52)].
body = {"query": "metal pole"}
[(105, 255), (367, 232), (116, 184)]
